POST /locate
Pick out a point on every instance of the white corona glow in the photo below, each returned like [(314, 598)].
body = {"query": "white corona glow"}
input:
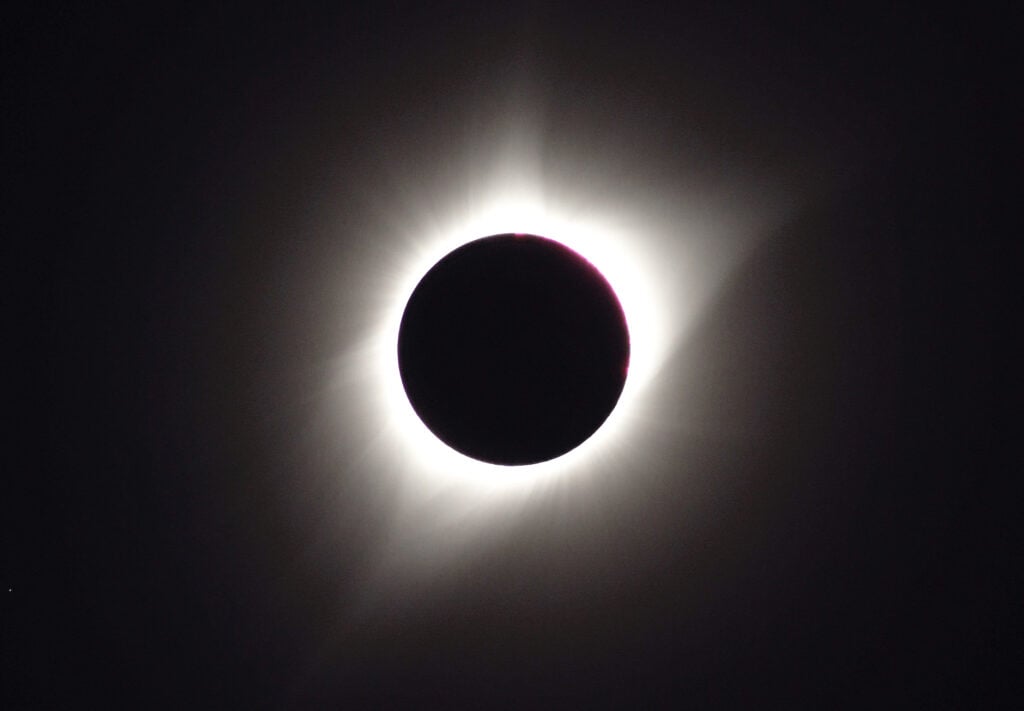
[(664, 251), (606, 245), (664, 248)]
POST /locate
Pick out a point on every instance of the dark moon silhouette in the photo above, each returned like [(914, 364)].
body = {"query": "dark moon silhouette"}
[(513, 349)]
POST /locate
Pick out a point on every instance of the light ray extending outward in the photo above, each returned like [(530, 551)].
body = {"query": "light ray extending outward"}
[(649, 259), (664, 253)]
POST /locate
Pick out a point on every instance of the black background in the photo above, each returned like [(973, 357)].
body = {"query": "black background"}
[(164, 284)]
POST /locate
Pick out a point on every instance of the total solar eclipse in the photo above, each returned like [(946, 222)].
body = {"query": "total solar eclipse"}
[(513, 349)]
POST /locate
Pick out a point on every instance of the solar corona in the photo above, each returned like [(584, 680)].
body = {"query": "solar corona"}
[(400, 424)]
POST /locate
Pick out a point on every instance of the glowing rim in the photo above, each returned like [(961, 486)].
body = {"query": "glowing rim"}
[(631, 274)]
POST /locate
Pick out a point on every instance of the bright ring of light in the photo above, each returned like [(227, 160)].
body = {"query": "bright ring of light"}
[(611, 249)]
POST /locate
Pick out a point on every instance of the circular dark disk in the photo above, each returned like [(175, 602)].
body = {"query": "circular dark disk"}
[(513, 349)]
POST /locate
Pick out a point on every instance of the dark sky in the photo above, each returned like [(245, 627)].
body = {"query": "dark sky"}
[(165, 173)]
